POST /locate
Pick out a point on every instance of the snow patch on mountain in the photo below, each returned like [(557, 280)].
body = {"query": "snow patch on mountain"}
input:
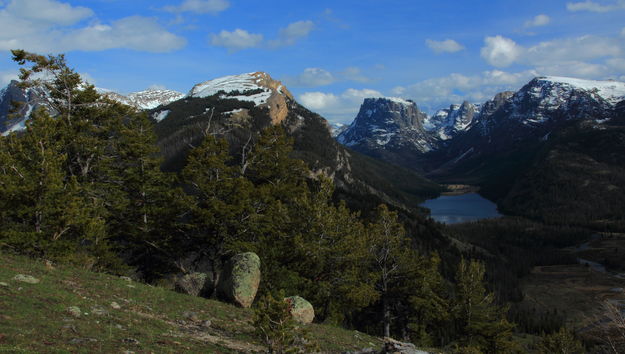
[(611, 91), (239, 83)]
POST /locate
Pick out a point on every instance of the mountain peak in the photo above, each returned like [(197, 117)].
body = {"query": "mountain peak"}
[(265, 91)]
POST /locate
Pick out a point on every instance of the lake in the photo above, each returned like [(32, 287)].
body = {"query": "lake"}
[(452, 209)]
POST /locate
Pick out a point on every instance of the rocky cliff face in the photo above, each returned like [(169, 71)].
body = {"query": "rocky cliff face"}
[(387, 123), (30, 99)]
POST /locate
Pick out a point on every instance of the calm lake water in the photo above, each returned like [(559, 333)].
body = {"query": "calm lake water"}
[(461, 208)]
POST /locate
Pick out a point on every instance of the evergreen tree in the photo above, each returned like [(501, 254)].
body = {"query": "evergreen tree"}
[(562, 341), (223, 211), (481, 323), (45, 213)]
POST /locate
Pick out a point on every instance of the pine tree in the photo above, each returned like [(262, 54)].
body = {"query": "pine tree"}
[(481, 322), (44, 213), (223, 209)]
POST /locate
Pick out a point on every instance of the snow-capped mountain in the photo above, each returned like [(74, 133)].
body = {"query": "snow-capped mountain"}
[(446, 123), (36, 96), (147, 99), (389, 122), (31, 98), (257, 87), (394, 131)]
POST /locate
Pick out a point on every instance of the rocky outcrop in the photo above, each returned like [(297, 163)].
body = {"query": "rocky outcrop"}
[(240, 279), (300, 309)]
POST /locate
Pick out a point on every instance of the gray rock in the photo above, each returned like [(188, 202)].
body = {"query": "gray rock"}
[(128, 279), (3, 284), (74, 311), (396, 347), (240, 279), (190, 315), (26, 279), (99, 311), (300, 309), (115, 305), (195, 284)]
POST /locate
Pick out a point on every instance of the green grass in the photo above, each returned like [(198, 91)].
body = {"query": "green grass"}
[(35, 317)]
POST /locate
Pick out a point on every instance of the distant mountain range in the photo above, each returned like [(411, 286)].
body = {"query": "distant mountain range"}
[(501, 143)]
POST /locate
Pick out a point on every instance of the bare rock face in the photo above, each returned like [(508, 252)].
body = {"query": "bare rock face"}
[(240, 279), (300, 309)]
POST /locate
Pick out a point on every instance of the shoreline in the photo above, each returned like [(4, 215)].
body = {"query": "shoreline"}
[(459, 189)]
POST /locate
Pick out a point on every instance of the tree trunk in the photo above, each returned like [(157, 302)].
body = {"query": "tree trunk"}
[(387, 317)]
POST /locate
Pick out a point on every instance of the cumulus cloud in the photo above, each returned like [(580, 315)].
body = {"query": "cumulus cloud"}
[(318, 100), (595, 6), (446, 46), (44, 26), (236, 40), (500, 51), (48, 11), (135, 32), (200, 6), (340, 108), (241, 39), (538, 21), (292, 33)]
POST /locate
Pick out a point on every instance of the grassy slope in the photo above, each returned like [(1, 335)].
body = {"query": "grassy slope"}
[(35, 317)]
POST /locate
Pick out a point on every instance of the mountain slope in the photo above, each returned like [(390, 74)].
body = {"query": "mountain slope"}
[(36, 318), (239, 106)]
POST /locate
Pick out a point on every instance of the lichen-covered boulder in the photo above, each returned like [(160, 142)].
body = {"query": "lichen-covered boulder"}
[(300, 309), (195, 284), (240, 279)]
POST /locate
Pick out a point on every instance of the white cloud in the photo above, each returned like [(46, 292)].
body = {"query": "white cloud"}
[(48, 11), (446, 46), (339, 108), (318, 100), (200, 6), (236, 40), (44, 26), (594, 6), (135, 32), (538, 21), (292, 33), (500, 51), (241, 39)]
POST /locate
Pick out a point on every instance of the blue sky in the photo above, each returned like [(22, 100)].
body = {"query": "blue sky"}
[(331, 54)]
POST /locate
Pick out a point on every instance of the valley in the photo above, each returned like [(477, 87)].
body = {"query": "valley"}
[(507, 193)]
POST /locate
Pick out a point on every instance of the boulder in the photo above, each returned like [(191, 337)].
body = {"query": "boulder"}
[(240, 279), (195, 284), (300, 309)]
